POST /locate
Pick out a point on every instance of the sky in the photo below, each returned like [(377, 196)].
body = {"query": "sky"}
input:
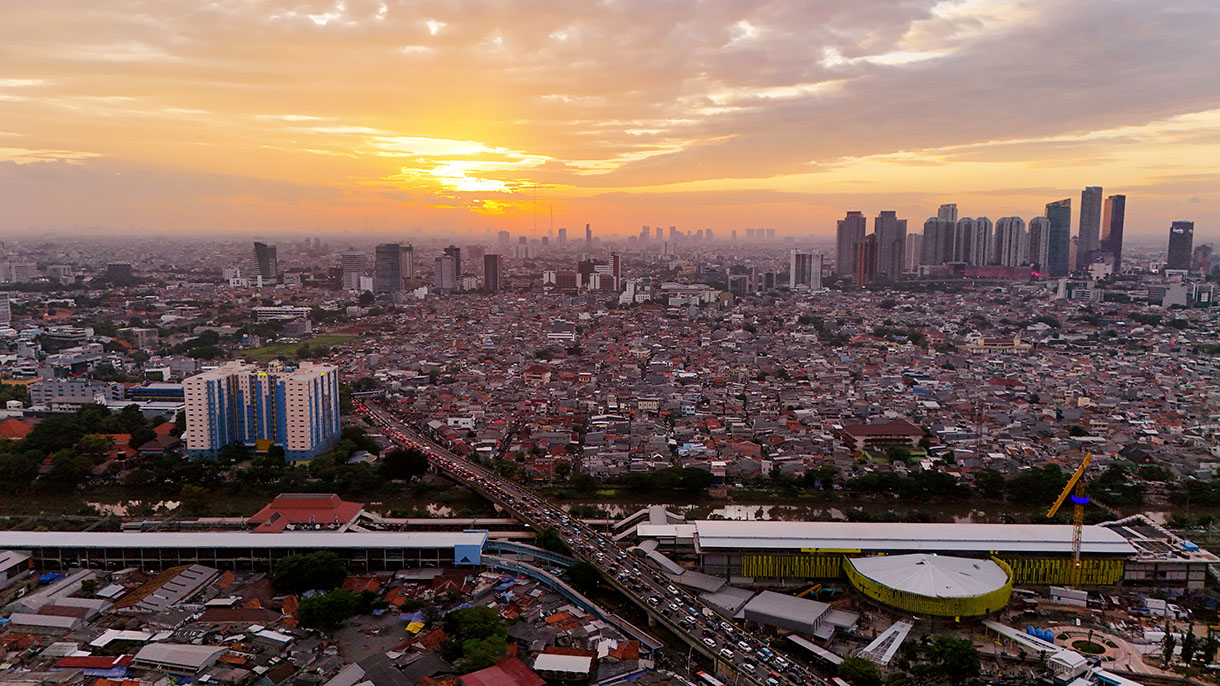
[(322, 116)]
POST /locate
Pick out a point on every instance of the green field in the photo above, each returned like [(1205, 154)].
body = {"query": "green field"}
[(288, 351)]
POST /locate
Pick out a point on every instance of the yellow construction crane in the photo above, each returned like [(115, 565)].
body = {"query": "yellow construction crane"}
[(1079, 500)]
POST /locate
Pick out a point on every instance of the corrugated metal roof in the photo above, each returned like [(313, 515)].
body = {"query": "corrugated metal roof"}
[(982, 538), (238, 539)]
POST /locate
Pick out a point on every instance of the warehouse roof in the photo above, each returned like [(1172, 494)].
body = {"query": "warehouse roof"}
[(933, 576), (21, 540), (867, 536)]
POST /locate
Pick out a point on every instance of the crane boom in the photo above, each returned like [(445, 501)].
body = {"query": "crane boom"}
[(1088, 457)]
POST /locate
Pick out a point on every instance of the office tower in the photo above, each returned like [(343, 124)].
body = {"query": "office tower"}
[(387, 268), (408, 263), (493, 273), (588, 236), (353, 268), (562, 237), (505, 238), (296, 409), (265, 263), (866, 261), (1089, 232), (800, 269), (1039, 242), (708, 234), (769, 281), (891, 233), (733, 235), (1181, 241), (1201, 261), (1059, 241), (749, 234), (6, 309), (1112, 217), (914, 252), (645, 233), (770, 234), (1011, 242), (444, 274), (850, 230), (616, 269), (456, 253), (948, 212)]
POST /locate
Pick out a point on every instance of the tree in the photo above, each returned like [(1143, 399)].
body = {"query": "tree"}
[(473, 622), (859, 672), (548, 539), (989, 483), (1167, 646), (956, 659), (194, 500), (404, 463), (1190, 644), (322, 570), (95, 446), (584, 577), (327, 611)]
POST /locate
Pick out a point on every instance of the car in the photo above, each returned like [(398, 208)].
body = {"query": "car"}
[(672, 590), (726, 653), (711, 643), (727, 627), (748, 667), (654, 601), (745, 647)]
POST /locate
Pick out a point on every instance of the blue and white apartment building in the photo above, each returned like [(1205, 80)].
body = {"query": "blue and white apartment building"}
[(293, 407)]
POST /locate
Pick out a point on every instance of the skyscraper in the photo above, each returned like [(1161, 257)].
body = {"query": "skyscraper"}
[(1039, 242), (661, 234), (1059, 237), (353, 268), (588, 236), (801, 266), (1112, 217), (939, 234), (493, 271), (444, 274), (948, 211), (408, 262), (1011, 242), (981, 250), (891, 235), (6, 309), (1181, 242), (963, 239), (1090, 225), (387, 268), (297, 409), (265, 263), (914, 252), (561, 238), (456, 253), (866, 261), (851, 230)]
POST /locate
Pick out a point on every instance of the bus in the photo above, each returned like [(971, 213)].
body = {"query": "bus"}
[(709, 680)]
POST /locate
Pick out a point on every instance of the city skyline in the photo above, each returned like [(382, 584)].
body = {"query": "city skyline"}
[(365, 117)]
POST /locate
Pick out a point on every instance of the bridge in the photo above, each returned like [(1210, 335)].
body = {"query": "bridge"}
[(683, 614)]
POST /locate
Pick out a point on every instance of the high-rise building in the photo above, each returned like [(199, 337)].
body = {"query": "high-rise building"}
[(1181, 242), (914, 252), (1059, 237), (6, 309), (801, 268), (297, 409), (120, 273), (866, 261), (1039, 242), (645, 233), (981, 250), (561, 238), (456, 253), (493, 273), (939, 234), (1090, 226), (963, 239), (408, 263), (891, 233), (948, 212), (851, 230), (387, 268), (444, 274), (1112, 217), (1011, 242), (353, 269), (660, 234), (616, 270), (588, 236), (265, 263)]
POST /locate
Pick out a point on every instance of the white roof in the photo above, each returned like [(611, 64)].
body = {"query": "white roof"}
[(239, 539), (868, 536), (179, 654), (571, 664), (933, 576)]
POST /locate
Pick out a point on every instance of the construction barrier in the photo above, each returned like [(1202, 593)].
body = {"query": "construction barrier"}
[(1031, 571), (812, 566), (965, 606)]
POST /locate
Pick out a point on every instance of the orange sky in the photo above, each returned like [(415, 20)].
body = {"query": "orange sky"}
[(321, 116)]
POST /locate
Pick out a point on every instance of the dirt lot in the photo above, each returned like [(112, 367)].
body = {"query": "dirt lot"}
[(366, 635)]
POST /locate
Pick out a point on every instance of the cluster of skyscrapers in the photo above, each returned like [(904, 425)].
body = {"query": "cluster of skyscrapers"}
[(294, 408), (1045, 245)]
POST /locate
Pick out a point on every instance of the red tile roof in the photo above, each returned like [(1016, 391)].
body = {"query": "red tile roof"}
[(305, 508), (14, 428), (507, 672)]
